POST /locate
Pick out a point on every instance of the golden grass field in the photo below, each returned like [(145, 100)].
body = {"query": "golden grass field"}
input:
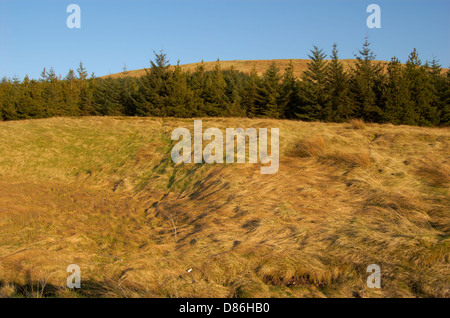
[(103, 193), (246, 66)]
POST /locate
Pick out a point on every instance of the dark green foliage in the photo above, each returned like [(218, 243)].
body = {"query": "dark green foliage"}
[(290, 93), (397, 98), (411, 93), (444, 97), (423, 93), (250, 94), (269, 102), (214, 94), (339, 103), (316, 103), (365, 86)]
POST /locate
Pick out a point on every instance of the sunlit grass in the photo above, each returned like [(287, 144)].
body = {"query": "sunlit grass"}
[(103, 193)]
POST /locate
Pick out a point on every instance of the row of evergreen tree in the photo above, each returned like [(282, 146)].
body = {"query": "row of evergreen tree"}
[(414, 93)]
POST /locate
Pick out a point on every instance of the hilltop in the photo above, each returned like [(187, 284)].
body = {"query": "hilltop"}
[(245, 66), (103, 193)]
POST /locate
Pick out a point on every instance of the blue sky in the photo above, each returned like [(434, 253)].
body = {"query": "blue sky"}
[(34, 34)]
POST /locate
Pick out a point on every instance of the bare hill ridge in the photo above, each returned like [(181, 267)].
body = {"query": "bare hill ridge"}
[(245, 66)]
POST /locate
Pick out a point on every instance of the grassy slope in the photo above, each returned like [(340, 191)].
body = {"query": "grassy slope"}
[(245, 66), (103, 193)]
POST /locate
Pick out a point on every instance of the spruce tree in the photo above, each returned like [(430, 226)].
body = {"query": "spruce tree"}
[(214, 95), (233, 91), (154, 89), (269, 93), (441, 87), (422, 91), (107, 98), (398, 108), (290, 90), (250, 93), (182, 101), (315, 99), (366, 80), (445, 97), (337, 86), (82, 73), (197, 83)]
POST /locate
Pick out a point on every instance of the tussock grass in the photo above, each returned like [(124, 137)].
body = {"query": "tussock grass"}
[(435, 171), (310, 147), (356, 123), (352, 159), (103, 193)]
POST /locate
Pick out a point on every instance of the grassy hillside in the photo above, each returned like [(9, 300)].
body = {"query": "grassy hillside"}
[(103, 193), (245, 66)]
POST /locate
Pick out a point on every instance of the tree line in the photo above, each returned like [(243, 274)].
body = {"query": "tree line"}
[(413, 93)]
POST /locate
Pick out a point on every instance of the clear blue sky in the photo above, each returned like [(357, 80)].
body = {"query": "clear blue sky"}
[(34, 35)]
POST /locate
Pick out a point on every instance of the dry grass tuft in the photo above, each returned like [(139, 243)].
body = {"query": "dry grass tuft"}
[(7, 291), (436, 172), (357, 123), (354, 159), (400, 202), (311, 147)]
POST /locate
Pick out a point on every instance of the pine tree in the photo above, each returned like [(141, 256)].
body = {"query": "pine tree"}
[(366, 80), (128, 95), (337, 86), (423, 93), (269, 93), (315, 103), (154, 89), (182, 101), (290, 89), (233, 91), (250, 93), (7, 104), (10, 99), (52, 94), (441, 87), (107, 98), (82, 73), (214, 95), (197, 83), (71, 93), (398, 108), (43, 76), (86, 100), (445, 112)]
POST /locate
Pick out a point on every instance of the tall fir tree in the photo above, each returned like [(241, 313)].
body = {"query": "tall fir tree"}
[(290, 91), (398, 108), (337, 86), (154, 89), (182, 101), (441, 86), (315, 98), (366, 78), (423, 93), (216, 102), (250, 93), (269, 93)]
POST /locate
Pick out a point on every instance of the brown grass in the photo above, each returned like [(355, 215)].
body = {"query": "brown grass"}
[(246, 66), (310, 147), (357, 123), (435, 171), (352, 159), (102, 193)]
